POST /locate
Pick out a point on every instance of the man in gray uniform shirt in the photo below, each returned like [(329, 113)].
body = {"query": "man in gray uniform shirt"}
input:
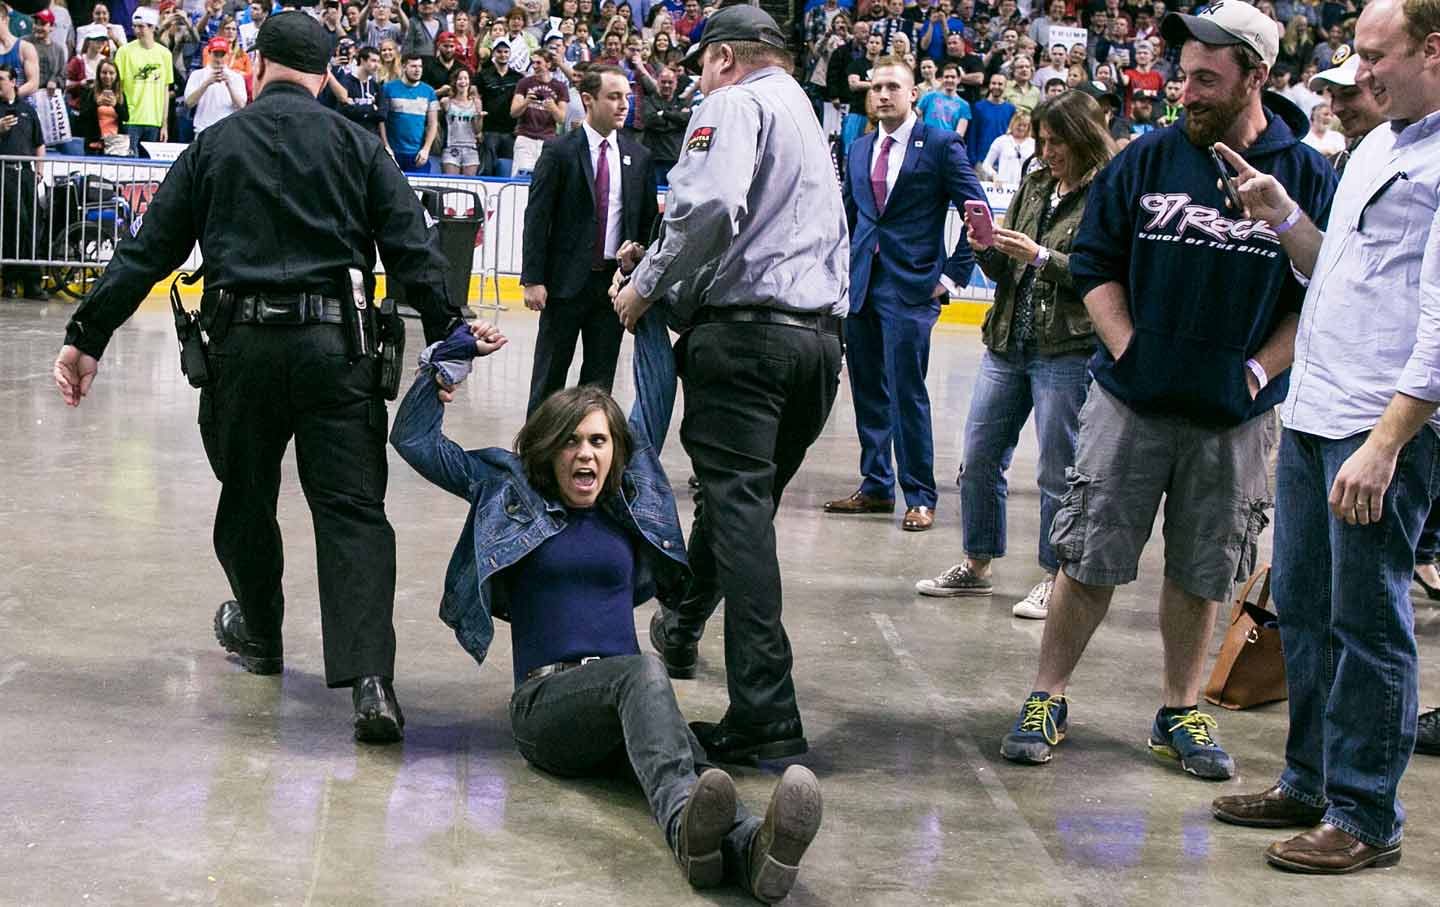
[(753, 220)]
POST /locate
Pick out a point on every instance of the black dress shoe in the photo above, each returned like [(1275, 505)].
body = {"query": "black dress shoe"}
[(378, 718), (679, 658), (727, 743), (1427, 733), (258, 656)]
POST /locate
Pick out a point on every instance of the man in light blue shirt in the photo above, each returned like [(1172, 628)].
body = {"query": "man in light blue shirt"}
[(1358, 463)]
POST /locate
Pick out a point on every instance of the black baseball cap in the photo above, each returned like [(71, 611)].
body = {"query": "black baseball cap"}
[(296, 40), (735, 23)]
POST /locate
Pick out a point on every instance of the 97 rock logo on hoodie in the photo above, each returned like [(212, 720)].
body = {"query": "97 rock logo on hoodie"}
[(1176, 220)]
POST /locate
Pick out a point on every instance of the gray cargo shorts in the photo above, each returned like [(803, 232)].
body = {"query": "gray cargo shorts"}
[(1213, 482)]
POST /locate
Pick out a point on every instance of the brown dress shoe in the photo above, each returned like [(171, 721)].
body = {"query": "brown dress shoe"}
[(1270, 809), (860, 502), (918, 519), (1328, 850)]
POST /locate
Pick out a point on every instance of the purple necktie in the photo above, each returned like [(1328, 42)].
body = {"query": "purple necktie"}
[(879, 172), (602, 201)]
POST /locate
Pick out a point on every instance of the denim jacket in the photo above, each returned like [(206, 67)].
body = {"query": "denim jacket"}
[(509, 518)]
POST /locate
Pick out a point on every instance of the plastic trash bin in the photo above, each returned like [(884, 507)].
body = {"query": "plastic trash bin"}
[(461, 214)]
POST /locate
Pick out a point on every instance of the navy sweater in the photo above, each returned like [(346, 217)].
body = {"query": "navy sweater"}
[(1205, 290), (574, 596)]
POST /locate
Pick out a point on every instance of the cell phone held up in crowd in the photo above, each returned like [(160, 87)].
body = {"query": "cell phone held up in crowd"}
[(982, 227), (1232, 198)]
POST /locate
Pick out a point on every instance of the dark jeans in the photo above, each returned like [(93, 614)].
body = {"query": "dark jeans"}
[(1427, 550), (18, 226), (501, 145), (272, 383), (756, 398), (140, 134), (1343, 594), (582, 722), (590, 316), (1007, 387)]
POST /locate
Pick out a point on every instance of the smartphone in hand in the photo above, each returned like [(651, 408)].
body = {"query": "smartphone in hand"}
[(982, 226), (1232, 198)]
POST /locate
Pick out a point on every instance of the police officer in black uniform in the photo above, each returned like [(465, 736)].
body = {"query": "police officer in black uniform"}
[(285, 198)]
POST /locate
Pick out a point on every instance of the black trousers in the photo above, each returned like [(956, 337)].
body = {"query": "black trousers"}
[(18, 224), (272, 383), (588, 316), (756, 397)]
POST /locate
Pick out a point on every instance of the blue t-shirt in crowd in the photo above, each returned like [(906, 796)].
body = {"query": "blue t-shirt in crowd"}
[(943, 111), (574, 596), (409, 104), (988, 123), (1206, 285)]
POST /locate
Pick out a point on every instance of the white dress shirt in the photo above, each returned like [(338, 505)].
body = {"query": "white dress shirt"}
[(612, 222), (1371, 322), (897, 151)]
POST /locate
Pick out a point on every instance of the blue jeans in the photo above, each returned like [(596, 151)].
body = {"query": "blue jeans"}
[(1343, 594), (1007, 387), (140, 134), (586, 721), (1427, 551), (852, 128)]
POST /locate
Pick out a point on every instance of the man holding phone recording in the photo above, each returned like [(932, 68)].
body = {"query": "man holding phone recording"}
[(1358, 460), (1196, 307)]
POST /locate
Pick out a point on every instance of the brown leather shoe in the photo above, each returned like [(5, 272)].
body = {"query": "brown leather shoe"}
[(918, 519), (860, 502), (1328, 850), (1270, 809)]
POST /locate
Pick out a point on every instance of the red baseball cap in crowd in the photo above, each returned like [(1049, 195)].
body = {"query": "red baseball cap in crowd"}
[(167, 6), (444, 36), (45, 16), (217, 45)]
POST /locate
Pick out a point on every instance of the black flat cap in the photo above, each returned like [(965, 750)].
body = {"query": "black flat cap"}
[(735, 23), (296, 40)]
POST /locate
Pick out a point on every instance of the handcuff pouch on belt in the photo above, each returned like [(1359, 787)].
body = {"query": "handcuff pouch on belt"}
[(194, 363)]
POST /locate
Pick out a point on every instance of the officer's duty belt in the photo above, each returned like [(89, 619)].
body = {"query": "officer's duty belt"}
[(293, 308), (814, 321)]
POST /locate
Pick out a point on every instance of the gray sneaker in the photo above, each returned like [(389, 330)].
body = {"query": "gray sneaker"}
[(958, 580)]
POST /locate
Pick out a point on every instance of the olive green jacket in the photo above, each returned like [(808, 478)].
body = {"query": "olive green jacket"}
[(1061, 323)]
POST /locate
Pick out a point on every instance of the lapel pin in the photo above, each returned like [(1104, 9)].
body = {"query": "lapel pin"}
[(625, 160), (919, 144)]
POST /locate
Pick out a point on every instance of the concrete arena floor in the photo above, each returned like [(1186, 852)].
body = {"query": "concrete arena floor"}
[(142, 767)]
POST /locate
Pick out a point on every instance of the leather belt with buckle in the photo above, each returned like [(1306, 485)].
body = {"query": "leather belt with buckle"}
[(814, 321), (293, 308), (557, 667)]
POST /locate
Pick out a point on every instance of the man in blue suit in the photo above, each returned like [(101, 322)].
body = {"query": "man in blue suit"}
[(899, 184)]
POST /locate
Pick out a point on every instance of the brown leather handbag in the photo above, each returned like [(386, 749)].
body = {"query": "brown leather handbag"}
[(1250, 669)]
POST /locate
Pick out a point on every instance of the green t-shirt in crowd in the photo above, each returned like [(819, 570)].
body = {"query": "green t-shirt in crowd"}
[(145, 77)]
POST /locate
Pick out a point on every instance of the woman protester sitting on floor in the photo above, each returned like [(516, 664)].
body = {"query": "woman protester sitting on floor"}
[(566, 535)]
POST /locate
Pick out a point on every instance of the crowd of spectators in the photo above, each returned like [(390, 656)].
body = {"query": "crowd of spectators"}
[(1005, 60), (473, 87)]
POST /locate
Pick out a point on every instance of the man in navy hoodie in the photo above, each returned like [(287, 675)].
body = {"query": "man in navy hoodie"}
[(1196, 307)]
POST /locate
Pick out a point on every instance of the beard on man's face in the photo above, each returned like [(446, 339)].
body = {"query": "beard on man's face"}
[(1207, 123)]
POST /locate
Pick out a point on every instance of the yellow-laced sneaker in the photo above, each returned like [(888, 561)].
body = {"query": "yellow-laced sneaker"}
[(1188, 736), (1040, 727)]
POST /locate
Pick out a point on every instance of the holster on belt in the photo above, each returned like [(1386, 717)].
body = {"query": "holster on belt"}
[(360, 339), (194, 363), (391, 335)]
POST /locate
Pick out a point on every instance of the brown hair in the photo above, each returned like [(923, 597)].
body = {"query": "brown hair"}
[(1077, 121), (594, 75), (549, 428), (1422, 18)]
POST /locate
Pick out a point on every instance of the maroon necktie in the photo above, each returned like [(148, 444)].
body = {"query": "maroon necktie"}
[(602, 201), (879, 172)]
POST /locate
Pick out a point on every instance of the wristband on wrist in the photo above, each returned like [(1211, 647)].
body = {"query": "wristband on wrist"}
[(1258, 370), (1289, 222)]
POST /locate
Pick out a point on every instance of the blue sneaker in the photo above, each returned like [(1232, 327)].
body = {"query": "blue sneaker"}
[(1040, 727), (1187, 737)]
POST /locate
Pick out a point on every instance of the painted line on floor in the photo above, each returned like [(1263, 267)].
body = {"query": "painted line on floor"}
[(8, 674), (321, 828), (943, 705)]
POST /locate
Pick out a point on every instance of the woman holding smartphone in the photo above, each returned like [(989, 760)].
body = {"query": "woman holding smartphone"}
[(1038, 339)]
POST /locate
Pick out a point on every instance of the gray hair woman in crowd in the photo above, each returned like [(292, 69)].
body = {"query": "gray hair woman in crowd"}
[(1038, 339)]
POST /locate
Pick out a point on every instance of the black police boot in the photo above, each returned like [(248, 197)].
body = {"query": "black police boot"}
[(378, 718), (678, 657), (728, 742), (258, 656)]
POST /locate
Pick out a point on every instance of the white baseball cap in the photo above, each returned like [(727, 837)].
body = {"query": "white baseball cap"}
[(1341, 75), (146, 16), (1226, 22)]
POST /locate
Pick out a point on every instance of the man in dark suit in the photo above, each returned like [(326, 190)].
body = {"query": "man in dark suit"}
[(592, 191), (899, 184)]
